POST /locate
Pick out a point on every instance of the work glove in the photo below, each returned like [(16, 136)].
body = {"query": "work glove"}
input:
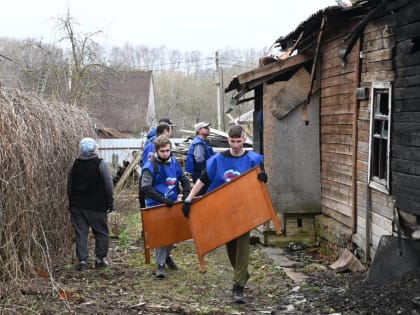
[(186, 208), (262, 175), (185, 195), (169, 202)]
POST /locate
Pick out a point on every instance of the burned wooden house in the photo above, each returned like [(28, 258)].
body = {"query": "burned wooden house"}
[(341, 110)]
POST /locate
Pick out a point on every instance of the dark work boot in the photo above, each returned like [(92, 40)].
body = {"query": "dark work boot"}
[(171, 264), (160, 272), (82, 265), (238, 294), (100, 263)]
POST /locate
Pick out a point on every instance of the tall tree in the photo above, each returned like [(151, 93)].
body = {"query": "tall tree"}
[(85, 57)]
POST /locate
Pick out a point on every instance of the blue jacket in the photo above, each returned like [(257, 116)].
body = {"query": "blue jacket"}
[(191, 165), (147, 151), (150, 137)]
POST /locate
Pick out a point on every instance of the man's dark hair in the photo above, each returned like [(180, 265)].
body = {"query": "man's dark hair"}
[(162, 141), (163, 127), (167, 120), (236, 131)]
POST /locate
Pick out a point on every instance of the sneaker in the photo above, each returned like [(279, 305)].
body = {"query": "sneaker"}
[(101, 263), (160, 272), (238, 294), (171, 264), (82, 265)]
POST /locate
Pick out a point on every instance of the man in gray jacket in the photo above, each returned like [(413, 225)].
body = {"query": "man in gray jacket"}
[(90, 191)]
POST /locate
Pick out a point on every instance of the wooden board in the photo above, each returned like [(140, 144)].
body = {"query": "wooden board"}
[(230, 211), (293, 93), (163, 226)]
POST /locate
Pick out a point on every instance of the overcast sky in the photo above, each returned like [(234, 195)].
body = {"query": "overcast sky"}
[(183, 25)]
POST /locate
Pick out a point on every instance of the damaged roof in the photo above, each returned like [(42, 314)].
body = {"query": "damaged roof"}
[(303, 40), (309, 28)]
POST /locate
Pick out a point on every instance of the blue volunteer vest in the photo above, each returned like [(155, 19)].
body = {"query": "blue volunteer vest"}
[(165, 181), (189, 163), (147, 151), (222, 169)]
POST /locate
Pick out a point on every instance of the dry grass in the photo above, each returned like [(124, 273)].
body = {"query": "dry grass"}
[(38, 143)]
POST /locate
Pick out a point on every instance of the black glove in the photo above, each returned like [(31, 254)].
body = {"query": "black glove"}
[(169, 202), (185, 195), (186, 209), (262, 176)]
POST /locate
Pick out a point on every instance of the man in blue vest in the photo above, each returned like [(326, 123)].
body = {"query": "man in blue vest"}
[(198, 153), (220, 169), (160, 181), (90, 192), (162, 129), (152, 134)]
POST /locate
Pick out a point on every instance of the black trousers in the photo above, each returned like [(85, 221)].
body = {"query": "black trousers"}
[(82, 220)]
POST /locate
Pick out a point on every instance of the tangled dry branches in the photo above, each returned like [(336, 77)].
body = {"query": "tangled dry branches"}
[(38, 143)]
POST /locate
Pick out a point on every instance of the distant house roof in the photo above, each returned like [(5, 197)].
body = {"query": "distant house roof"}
[(110, 133), (124, 100)]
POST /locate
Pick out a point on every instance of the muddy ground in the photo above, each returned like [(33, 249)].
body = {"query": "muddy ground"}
[(128, 286)]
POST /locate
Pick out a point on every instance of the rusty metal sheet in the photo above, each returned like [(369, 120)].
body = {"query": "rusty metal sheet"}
[(163, 226), (230, 211)]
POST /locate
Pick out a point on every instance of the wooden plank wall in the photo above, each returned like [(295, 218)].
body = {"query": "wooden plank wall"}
[(336, 111), (377, 65), (405, 164)]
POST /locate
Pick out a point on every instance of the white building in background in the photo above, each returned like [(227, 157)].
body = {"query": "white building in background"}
[(116, 151)]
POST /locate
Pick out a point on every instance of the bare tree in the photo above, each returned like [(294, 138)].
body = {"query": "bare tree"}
[(85, 58)]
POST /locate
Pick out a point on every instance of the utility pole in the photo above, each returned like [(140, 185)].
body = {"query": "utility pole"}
[(219, 94)]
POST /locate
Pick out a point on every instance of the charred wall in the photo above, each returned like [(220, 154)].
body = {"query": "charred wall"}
[(405, 165)]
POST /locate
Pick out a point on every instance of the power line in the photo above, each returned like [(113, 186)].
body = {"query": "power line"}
[(236, 65), (236, 60), (177, 62)]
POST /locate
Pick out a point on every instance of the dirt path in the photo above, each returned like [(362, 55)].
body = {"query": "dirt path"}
[(129, 285)]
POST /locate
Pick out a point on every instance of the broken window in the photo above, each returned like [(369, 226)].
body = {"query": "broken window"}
[(380, 136)]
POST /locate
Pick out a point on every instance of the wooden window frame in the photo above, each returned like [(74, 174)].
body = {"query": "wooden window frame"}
[(375, 182)]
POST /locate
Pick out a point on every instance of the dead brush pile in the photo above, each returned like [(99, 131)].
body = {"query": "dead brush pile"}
[(38, 143)]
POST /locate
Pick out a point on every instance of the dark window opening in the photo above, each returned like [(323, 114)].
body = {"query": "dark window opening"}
[(379, 160), (379, 136), (381, 104)]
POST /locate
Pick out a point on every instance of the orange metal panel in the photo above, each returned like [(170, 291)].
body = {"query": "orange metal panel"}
[(163, 226), (230, 211)]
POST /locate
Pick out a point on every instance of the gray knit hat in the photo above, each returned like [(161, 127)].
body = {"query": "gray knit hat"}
[(87, 145)]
